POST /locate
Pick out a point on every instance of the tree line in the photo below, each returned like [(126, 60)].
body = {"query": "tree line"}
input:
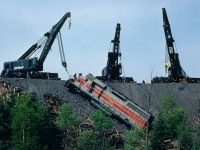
[(26, 124)]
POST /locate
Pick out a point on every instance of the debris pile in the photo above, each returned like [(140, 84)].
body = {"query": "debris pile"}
[(53, 102), (87, 124), (114, 137), (6, 90)]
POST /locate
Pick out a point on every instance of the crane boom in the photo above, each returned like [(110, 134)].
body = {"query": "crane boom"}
[(113, 68), (51, 37), (175, 70), (115, 42), (28, 52)]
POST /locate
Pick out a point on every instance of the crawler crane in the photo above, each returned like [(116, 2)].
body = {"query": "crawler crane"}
[(175, 71), (26, 67), (113, 68)]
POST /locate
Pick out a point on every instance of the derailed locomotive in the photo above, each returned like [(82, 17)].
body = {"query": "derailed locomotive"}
[(110, 100)]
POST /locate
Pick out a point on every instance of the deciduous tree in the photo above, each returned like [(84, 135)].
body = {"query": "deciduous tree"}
[(66, 120), (5, 131), (196, 134), (29, 124), (103, 124)]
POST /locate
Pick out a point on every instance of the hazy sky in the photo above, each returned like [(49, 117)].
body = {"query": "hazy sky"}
[(86, 44)]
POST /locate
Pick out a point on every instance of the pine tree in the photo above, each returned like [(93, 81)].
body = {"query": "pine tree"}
[(170, 126), (134, 139), (196, 134), (185, 138), (87, 140), (158, 135)]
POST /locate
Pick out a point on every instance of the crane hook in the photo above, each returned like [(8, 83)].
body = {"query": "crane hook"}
[(166, 67), (69, 23)]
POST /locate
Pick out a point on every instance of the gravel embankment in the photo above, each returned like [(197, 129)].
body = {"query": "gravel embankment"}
[(147, 96)]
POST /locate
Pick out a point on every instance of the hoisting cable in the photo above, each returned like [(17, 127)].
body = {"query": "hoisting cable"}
[(69, 23), (41, 45), (33, 49), (166, 59), (62, 54), (69, 26), (122, 66)]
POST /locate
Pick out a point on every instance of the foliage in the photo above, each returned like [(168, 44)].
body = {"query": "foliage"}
[(5, 131), (30, 123), (134, 139), (87, 140), (196, 134), (185, 138), (158, 135), (170, 125), (103, 124), (66, 117), (6, 105), (32, 128), (66, 120)]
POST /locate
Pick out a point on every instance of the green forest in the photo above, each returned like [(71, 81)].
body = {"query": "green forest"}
[(26, 123)]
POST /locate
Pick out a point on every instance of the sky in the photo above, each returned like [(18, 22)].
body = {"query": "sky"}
[(87, 43)]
